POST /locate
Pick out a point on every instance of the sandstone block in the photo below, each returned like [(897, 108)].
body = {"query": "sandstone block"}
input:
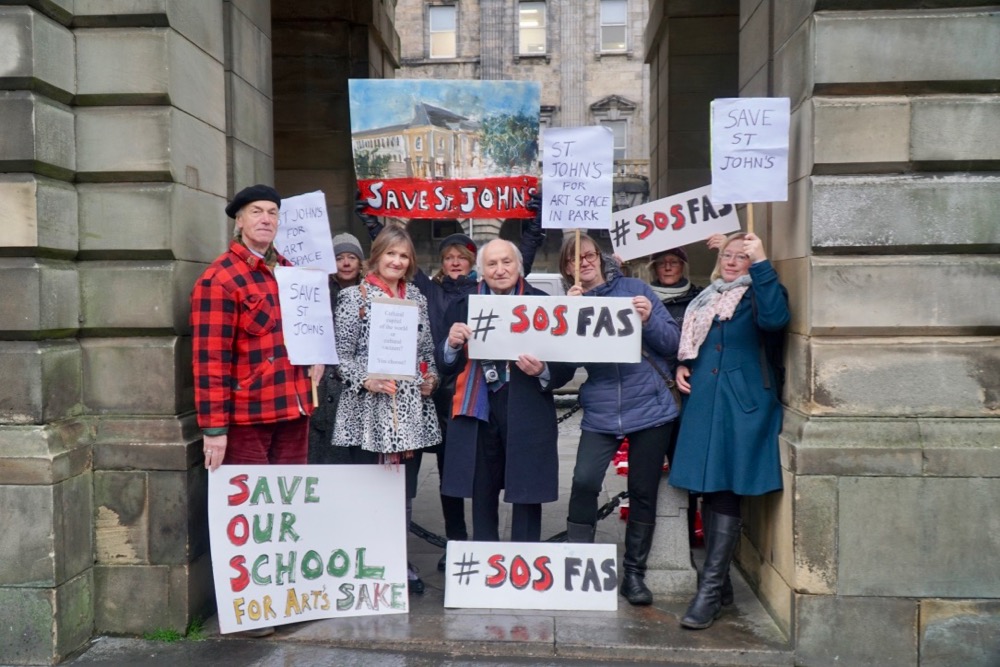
[(45, 454), (140, 598), (197, 20), (754, 38), (46, 624), (38, 52), (250, 49), (833, 631), (152, 66), (41, 381), (904, 211), (39, 296), (250, 116), (956, 128), (132, 220), (112, 385), (793, 69), (155, 143), (959, 632), (258, 12), (855, 130), (37, 134), (248, 165), (815, 535), (41, 213)]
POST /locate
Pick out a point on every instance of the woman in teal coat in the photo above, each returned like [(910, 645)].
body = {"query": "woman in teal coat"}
[(728, 442)]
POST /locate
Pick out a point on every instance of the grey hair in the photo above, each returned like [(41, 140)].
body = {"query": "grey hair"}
[(517, 255)]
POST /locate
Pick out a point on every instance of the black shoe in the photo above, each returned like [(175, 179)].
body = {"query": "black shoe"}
[(443, 563), (720, 543), (638, 540), (416, 586), (633, 588)]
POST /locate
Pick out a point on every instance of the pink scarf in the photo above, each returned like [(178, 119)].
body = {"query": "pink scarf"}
[(717, 300)]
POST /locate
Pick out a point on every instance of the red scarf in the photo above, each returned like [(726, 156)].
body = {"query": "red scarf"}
[(374, 279)]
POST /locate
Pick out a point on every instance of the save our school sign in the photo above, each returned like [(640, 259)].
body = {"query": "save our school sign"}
[(286, 547), (554, 328)]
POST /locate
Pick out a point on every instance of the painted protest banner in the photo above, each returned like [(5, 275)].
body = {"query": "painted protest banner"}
[(579, 174), (536, 575), (306, 318), (392, 339), (554, 328), (445, 149), (750, 149), (304, 232), (670, 223), (286, 548)]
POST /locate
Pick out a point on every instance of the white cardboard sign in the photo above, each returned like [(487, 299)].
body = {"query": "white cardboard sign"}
[(578, 173), (670, 223), (304, 232), (535, 575), (288, 545), (306, 319), (555, 328), (750, 149), (392, 339)]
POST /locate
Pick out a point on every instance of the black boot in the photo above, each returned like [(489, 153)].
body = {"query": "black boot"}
[(720, 543), (580, 532), (727, 596), (638, 540)]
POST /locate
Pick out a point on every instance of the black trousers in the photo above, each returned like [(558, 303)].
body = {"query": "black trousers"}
[(646, 452), (488, 482)]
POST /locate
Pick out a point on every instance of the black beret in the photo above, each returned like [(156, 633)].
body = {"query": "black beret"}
[(458, 239), (251, 194)]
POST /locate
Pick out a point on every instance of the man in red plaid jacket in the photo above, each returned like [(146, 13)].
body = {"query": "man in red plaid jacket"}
[(253, 404)]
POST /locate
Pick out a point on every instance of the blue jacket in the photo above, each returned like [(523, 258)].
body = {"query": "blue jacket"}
[(728, 438), (619, 399)]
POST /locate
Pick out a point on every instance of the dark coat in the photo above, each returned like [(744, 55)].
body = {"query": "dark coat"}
[(619, 399), (729, 435), (532, 473)]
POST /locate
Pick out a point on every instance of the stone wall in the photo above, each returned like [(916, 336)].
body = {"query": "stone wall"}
[(876, 551), (125, 127)]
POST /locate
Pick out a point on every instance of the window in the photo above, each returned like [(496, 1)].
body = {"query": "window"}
[(532, 28), (441, 26), (619, 130), (614, 18)]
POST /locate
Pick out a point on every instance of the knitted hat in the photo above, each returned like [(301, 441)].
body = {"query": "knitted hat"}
[(347, 243), (676, 252), (251, 194), (458, 239)]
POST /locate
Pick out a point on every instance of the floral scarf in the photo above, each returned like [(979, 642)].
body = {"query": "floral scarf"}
[(717, 300)]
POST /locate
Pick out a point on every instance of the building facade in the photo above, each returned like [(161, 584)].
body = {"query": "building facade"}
[(587, 56), (880, 550)]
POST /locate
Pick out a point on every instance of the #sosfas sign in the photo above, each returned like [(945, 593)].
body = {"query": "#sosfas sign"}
[(286, 548), (555, 328), (545, 575), (670, 223), (750, 149)]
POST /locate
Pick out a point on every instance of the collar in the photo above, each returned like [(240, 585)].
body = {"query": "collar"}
[(373, 279)]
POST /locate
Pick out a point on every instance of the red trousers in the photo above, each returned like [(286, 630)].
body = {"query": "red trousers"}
[(285, 442)]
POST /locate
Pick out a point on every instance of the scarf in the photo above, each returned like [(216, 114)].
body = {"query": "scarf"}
[(717, 300), (664, 292), (373, 279), (472, 396)]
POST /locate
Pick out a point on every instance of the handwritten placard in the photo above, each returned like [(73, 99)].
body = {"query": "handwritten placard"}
[(554, 328), (546, 575), (392, 339), (579, 172), (284, 550), (304, 232), (750, 149), (306, 318), (670, 223)]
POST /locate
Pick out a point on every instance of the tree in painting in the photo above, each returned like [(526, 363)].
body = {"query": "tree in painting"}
[(510, 141)]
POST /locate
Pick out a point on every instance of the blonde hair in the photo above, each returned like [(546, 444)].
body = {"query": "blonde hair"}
[(463, 251), (389, 236), (717, 271), (568, 252)]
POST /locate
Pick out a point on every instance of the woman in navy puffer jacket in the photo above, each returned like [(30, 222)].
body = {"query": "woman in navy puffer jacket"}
[(622, 400)]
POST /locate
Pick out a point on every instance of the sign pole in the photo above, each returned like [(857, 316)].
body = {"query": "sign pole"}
[(576, 260), (749, 217)]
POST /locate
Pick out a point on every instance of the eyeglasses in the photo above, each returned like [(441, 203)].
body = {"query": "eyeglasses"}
[(670, 265), (739, 257), (588, 257)]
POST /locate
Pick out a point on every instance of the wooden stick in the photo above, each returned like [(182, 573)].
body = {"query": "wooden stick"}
[(315, 382), (749, 218), (576, 260)]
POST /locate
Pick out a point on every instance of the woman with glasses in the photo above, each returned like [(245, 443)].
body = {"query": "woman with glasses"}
[(728, 442), (622, 400)]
